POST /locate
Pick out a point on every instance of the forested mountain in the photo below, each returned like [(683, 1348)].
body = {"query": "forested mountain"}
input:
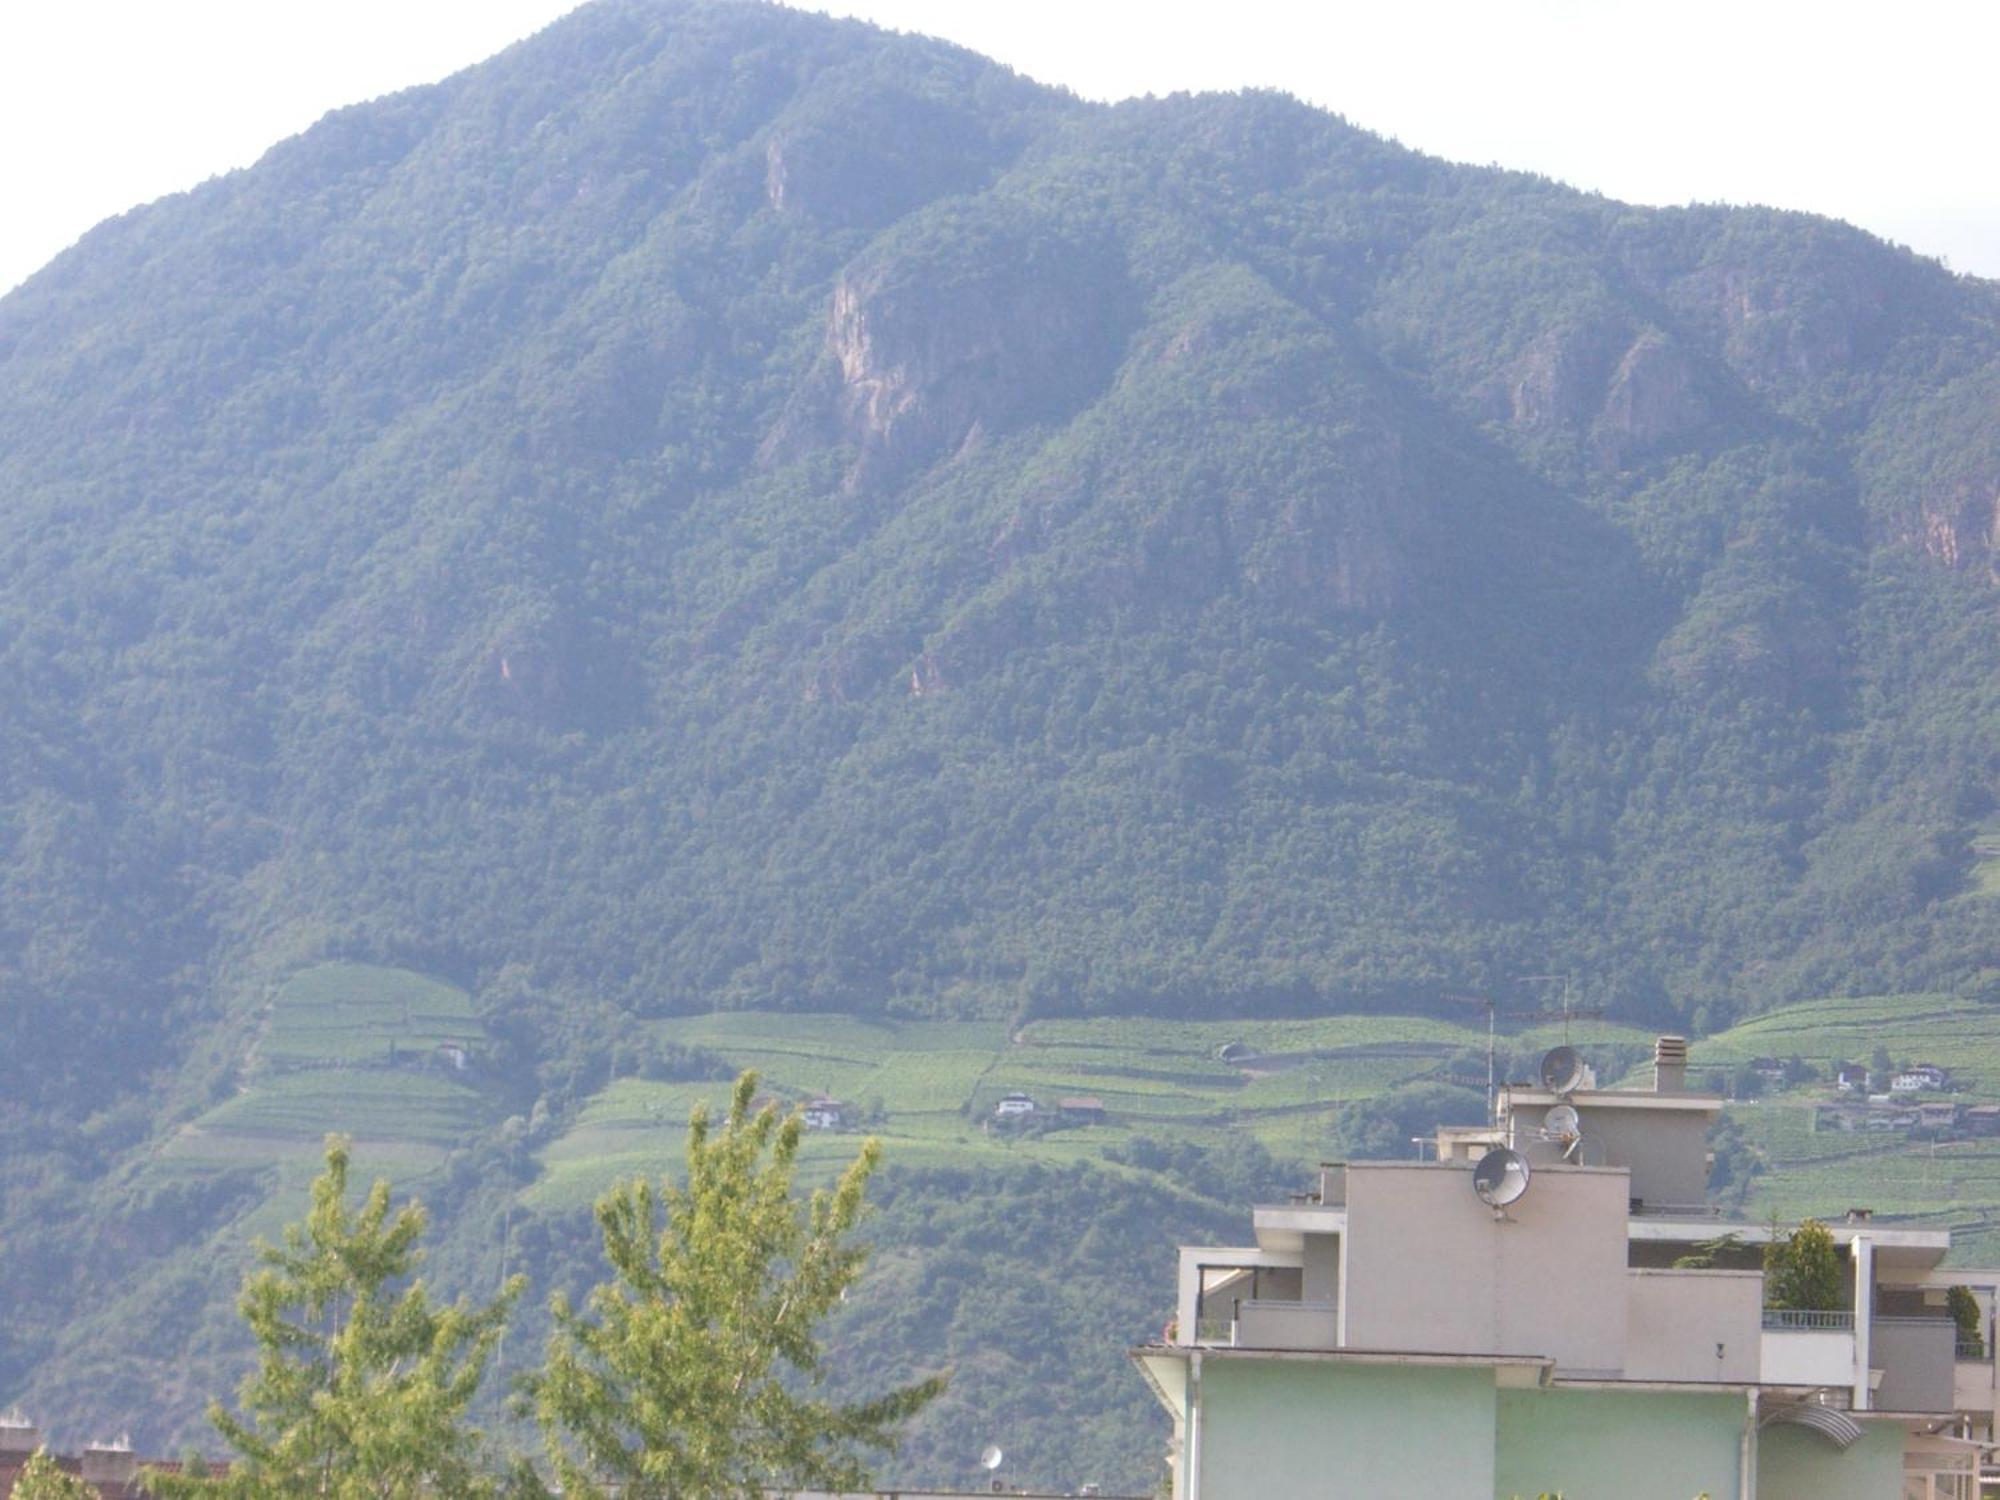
[(719, 508)]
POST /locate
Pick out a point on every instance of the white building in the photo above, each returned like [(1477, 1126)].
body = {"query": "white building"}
[(823, 1114)]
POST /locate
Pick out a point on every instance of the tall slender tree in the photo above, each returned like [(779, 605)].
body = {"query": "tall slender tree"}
[(690, 1371), (362, 1384)]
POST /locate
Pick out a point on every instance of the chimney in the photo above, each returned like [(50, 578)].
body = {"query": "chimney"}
[(18, 1434), (1670, 1065), (110, 1463)]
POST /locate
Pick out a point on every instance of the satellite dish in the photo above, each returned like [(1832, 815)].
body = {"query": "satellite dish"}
[(1562, 1069), (1501, 1177), (990, 1459), (1561, 1123)]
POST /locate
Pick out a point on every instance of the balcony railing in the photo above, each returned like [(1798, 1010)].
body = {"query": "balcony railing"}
[(1803, 1320), (1215, 1331)]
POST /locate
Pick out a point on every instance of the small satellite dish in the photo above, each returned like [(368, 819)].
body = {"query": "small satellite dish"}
[(1562, 1069), (990, 1459), (1561, 1123), (1501, 1177)]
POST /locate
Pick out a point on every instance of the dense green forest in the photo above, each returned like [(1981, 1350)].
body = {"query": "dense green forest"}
[(718, 508)]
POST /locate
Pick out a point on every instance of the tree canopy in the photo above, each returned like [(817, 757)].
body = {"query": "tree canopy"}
[(362, 1385), (41, 1478), (690, 1371), (1803, 1271)]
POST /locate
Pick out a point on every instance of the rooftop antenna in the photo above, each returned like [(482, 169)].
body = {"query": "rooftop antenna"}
[(1492, 1020), (1501, 1177), (1564, 1071), (1563, 980), (1561, 1123), (989, 1459)]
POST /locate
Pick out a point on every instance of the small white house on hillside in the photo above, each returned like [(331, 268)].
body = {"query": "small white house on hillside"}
[(823, 1114)]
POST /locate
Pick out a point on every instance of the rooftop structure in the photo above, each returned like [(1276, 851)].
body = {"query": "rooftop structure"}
[(1553, 1306), (110, 1468)]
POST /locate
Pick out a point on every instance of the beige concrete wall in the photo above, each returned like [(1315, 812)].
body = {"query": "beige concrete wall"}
[(1287, 1325), (1431, 1269), (1665, 1151), (1322, 1268), (1694, 1325), (1915, 1356), (1807, 1356), (1661, 1139)]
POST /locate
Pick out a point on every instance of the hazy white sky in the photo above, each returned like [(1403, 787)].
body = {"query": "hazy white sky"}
[(1876, 113)]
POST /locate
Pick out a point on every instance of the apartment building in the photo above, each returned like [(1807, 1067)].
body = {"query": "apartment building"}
[(1509, 1319)]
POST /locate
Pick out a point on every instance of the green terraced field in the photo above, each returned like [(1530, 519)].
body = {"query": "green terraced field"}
[(1962, 1035), (844, 1036), (372, 1104), (1950, 1185), (359, 1013), (928, 1087), (347, 1048)]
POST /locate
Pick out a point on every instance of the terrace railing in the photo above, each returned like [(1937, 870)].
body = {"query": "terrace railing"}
[(1805, 1320)]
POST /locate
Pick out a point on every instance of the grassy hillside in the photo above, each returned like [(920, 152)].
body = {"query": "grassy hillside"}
[(927, 1089), (356, 1049)]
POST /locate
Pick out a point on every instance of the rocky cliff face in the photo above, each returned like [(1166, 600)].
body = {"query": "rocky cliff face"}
[(1931, 475), (941, 345), (1652, 399)]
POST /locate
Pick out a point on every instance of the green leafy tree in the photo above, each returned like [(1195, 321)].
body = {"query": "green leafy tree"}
[(689, 1371), (1971, 1321), (42, 1479), (362, 1384), (1880, 1067), (1802, 1271)]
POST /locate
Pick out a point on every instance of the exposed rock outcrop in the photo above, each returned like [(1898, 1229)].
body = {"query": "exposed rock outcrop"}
[(1559, 380), (1653, 397), (959, 327), (1962, 530), (1625, 394), (1931, 475)]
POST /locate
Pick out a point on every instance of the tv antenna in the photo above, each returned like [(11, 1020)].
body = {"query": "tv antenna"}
[(1501, 1178), (1564, 1071), (1566, 1014), (1492, 1022)]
